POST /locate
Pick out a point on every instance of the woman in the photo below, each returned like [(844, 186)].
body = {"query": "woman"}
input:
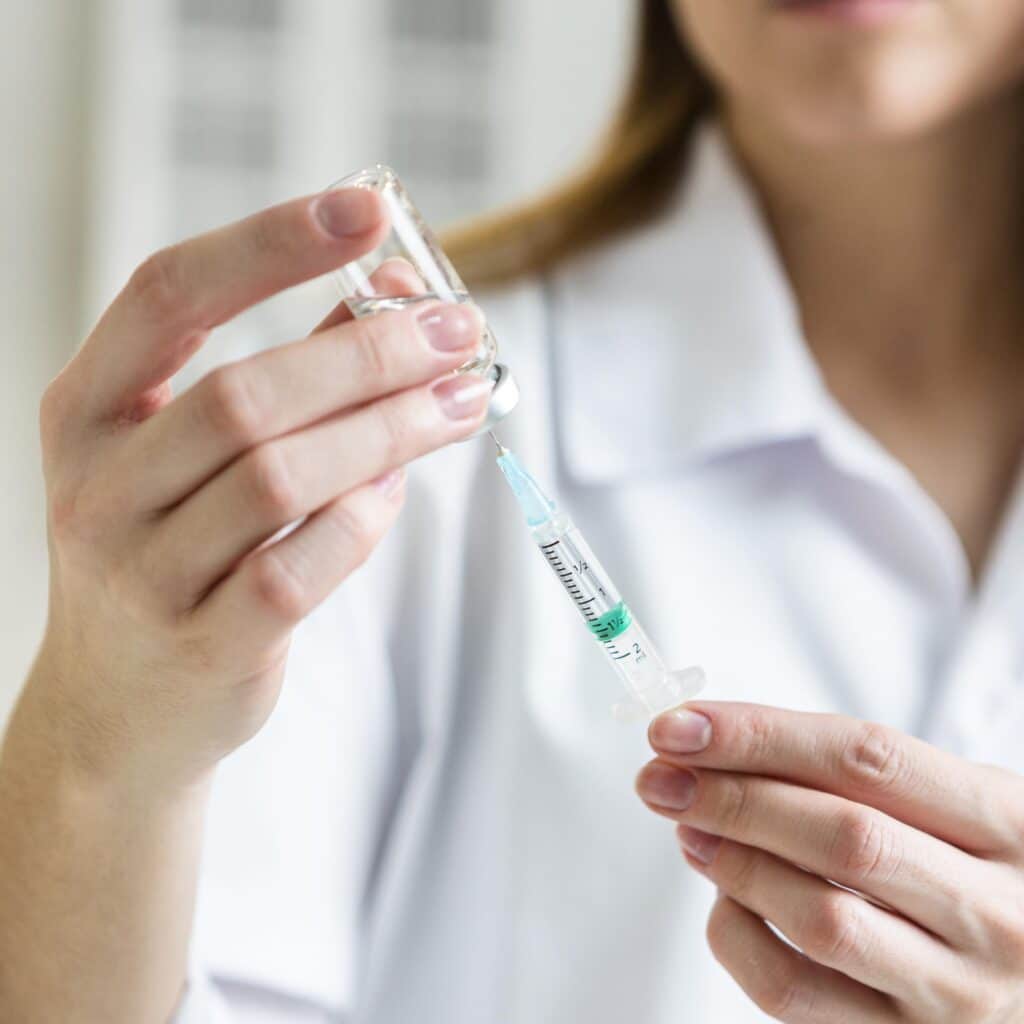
[(770, 347)]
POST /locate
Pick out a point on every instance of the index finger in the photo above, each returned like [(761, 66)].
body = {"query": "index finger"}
[(183, 291), (962, 803)]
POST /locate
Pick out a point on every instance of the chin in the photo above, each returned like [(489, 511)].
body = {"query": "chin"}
[(859, 124), (855, 107)]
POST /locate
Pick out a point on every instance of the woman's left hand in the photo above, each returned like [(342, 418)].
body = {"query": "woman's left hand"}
[(786, 813)]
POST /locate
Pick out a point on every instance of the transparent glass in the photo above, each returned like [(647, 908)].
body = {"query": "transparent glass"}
[(411, 240)]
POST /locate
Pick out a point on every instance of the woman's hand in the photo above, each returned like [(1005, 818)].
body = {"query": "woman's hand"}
[(170, 617), (170, 613), (786, 813)]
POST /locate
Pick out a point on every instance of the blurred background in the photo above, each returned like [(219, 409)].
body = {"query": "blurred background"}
[(130, 124)]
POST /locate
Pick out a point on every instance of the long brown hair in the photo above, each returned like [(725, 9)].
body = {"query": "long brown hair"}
[(626, 182)]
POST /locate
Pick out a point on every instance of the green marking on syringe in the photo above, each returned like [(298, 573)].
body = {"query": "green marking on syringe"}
[(612, 623)]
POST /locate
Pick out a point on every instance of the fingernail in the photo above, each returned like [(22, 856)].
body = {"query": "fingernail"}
[(347, 211), (698, 844), (666, 786), (463, 397), (389, 483), (681, 731), (451, 327)]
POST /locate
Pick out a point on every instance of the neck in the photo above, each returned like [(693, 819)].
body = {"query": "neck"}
[(904, 251)]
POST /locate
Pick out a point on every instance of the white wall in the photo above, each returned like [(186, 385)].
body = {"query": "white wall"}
[(43, 60), (115, 111)]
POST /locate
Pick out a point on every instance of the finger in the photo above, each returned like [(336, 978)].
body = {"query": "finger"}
[(281, 390), (832, 926), (857, 846), (782, 982), (258, 605), (966, 804), (177, 295), (283, 480), (395, 276)]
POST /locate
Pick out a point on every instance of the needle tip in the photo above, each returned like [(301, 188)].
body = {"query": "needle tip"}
[(502, 450)]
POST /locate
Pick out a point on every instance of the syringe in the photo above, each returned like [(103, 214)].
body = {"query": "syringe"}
[(651, 685)]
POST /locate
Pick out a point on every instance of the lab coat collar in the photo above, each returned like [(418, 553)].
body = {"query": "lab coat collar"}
[(683, 340)]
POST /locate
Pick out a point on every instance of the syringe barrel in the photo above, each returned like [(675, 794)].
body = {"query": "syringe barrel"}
[(628, 648), (580, 573)]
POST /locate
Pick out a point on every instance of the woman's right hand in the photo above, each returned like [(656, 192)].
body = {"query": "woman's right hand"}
[(170, 617)]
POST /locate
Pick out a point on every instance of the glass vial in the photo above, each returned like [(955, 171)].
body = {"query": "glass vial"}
[(411, 240)]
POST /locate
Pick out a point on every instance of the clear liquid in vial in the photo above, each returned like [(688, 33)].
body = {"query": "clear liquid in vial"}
[(363, 306)]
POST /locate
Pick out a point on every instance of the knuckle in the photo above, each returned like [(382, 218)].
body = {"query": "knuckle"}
[(985, 1005), (969, 1000), (1002, 925), (961, 916), (66, 520), (396, 432), (359, 532), (128, 588), (374, 350), (272, 483), (230, 407), (775, 992), (999, 796), (741, 872), (864, 849), (872, 758), (732, 799), (832, 932), (719, 930), (277, 588), (160, 283), (168, 576), (83, 513), (52, 410), (756, 736)]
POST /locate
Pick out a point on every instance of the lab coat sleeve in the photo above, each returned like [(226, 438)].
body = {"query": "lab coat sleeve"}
[(205, 1001), (201, 1003)]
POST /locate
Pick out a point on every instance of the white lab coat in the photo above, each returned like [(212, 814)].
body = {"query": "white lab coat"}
[(438, 824)]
